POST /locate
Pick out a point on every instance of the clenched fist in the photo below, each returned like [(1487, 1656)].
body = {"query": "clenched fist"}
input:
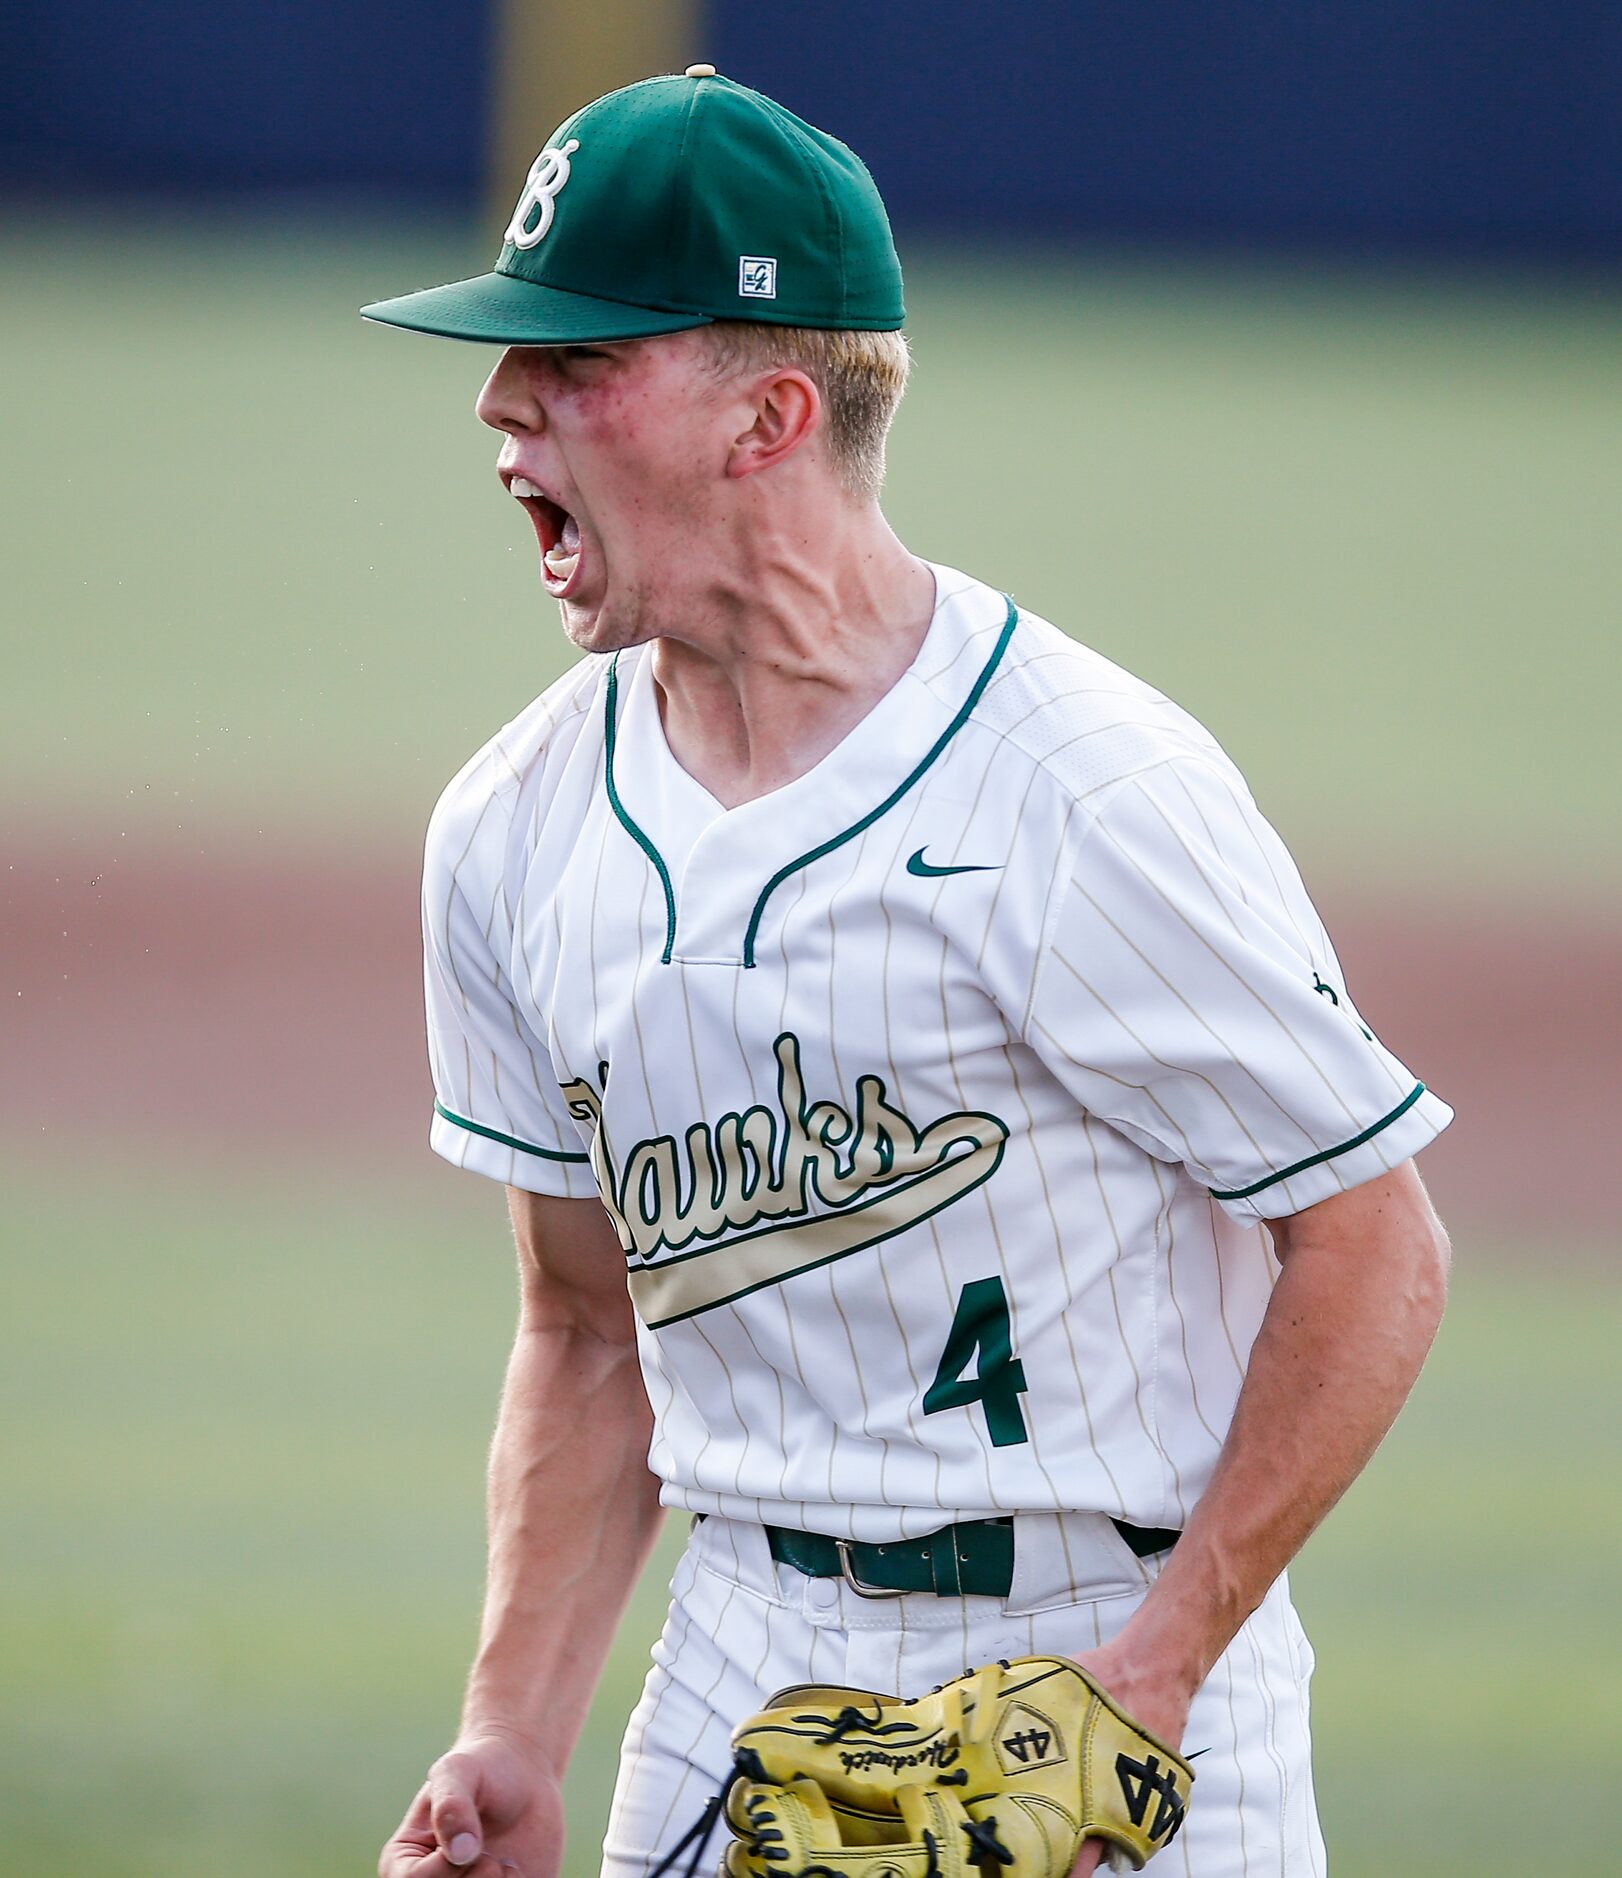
[(490, 1808)]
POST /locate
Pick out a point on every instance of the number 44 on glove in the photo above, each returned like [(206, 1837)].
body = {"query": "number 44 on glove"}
[(1013, 1765)]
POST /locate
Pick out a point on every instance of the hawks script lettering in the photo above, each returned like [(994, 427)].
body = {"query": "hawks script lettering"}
[(836, 1179)]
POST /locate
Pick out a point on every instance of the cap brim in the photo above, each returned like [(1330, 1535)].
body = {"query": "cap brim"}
[(503, 310)]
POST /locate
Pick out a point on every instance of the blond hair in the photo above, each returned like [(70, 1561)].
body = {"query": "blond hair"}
[(861, 376)]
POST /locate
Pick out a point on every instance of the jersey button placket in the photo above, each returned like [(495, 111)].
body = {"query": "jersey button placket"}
[(714, 893)]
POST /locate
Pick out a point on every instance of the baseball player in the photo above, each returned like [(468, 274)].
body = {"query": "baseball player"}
[(945, 1159)]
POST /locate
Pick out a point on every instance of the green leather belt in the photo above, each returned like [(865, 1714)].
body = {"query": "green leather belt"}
[(974, 1559)]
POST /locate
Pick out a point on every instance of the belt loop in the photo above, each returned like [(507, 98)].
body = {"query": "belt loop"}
[(944, 1564)]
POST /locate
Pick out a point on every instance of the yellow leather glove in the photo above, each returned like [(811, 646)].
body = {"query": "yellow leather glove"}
[(1010, 1766)]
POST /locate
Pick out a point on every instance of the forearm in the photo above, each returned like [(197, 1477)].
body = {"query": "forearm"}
[(573, 1514), (1347, 1329)]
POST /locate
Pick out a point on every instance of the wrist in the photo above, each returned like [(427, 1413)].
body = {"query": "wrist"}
[(525, 1686), (1174, 1637), (1193, 1610), (479, 1730), (1144, 1654)]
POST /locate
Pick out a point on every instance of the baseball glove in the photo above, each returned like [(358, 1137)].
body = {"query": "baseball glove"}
[(1012, 1765)]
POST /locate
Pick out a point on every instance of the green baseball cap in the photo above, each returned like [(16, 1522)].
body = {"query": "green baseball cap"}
[(673, 203)]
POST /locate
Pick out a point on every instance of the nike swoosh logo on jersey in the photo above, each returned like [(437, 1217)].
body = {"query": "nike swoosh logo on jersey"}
[(927, 870)]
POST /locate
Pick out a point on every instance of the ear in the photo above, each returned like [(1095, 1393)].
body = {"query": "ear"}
[(787, 408)]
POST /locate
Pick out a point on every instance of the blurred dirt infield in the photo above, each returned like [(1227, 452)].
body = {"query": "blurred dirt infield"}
[(255, 1002)]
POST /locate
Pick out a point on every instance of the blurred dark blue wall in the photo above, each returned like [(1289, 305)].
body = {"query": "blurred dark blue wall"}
[(224, 95), (1410, 124), (1407, 123)]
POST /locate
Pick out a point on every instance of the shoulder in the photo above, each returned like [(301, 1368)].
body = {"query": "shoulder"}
[(1082, 724), (510, 778), (1088, 723)]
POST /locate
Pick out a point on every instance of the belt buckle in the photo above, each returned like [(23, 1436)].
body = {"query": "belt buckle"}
[(859, 1586)]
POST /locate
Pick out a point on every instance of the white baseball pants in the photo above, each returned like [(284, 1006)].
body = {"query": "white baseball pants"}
[(742, 1626)]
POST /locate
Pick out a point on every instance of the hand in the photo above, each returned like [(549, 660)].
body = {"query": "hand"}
[(1155, 1699), (491, 1808)]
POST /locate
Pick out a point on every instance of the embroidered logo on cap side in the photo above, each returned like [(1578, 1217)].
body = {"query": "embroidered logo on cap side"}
[(757, 277), (538, 202)]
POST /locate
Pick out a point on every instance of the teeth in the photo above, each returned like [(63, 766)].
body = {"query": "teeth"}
[(561, 563), (522, 487)]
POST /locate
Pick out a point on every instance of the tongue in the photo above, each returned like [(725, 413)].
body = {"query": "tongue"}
[(569, 540)]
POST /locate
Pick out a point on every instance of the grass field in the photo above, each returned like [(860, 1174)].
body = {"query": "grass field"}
[(243, 1434), (262, 567)]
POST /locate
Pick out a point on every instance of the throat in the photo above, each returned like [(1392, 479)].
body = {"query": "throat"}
[(723, 752), (752, 704), (740, 745)]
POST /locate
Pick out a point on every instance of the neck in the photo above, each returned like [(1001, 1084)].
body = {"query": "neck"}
[(807, 629)]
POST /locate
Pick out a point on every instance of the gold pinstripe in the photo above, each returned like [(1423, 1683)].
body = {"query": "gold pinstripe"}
[(742, 1321), (1226, 1669), (737, 1414), (1165, 1221), (1249, 823), (1010, 1289), (898, 1083), (690, 1750), (1151, 1434), (1066, 1319), (903, 833), (1199, 869), (858, 849), (1257, 1237), (1174, 1134), (1031, 1137), (1198, 1075), (785, 921), (1270, 1731), (455, 891)]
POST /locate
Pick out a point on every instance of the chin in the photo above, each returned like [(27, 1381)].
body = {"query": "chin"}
[(596, 627)]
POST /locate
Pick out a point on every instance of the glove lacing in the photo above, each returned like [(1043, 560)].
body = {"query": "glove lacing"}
[(746, 1765), (848, 1720)]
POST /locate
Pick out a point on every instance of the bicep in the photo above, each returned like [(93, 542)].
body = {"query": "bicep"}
[(571, 1268)]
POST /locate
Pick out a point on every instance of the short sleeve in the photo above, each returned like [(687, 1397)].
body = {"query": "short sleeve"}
[(498, 1109), (1187, 993)]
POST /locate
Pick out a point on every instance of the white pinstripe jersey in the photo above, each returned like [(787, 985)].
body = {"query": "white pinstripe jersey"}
[(937, 1097)]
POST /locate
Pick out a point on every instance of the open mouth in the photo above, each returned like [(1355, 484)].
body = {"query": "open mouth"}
[(558, 533)]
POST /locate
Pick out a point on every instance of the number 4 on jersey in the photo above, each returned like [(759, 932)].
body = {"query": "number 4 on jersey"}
[(981, 1324)]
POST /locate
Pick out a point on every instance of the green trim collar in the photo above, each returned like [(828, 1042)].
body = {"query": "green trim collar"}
[(639, 835), (610, 710), (1329, 1154), (965, 711)]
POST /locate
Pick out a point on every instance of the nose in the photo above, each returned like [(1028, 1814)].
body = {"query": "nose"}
[(510, 400)]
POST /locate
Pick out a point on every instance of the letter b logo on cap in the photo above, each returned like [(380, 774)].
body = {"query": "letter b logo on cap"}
[(547, 175)]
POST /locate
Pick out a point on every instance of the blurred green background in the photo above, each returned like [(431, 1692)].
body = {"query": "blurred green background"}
[(1362, 523), (266, 595)]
